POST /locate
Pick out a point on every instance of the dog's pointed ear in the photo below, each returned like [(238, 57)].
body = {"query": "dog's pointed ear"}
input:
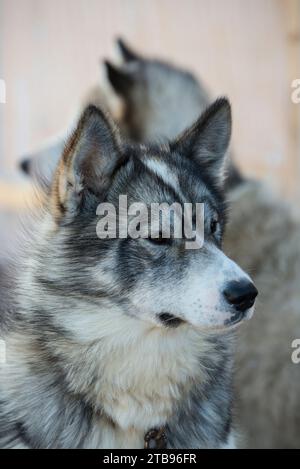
[(121, 80), (208, 139), (128, 55), (86, 167)]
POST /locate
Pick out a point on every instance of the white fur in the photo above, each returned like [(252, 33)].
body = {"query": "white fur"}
[(231, 443), (164, 172), (198, 298)]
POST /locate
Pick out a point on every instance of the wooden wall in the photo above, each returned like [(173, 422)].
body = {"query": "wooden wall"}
[(249, 50)]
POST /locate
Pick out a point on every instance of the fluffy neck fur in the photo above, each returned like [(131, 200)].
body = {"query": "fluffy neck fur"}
[(128, 369), (125, 379), (86, 374)]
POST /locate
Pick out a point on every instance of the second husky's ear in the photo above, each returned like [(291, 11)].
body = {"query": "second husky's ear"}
[(208, 139), (127, 54), (121, 80), (86, 167)]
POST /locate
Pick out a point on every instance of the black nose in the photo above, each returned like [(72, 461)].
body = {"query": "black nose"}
[(25, 166), (241, 294)]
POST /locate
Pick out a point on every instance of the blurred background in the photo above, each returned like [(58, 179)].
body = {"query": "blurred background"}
[(50, 53)]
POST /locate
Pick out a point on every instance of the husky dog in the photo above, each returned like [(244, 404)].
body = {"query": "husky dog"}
[(268, 383), (150, 101), (142, 112), (116, 338), (159, 100)]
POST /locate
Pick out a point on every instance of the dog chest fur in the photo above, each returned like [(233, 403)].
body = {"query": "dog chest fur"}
[(132, 389)]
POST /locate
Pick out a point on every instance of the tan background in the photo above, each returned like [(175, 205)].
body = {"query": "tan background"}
[(247, 49)]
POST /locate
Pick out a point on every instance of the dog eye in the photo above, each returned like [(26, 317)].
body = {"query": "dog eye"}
[(159, 240), (214, 225)]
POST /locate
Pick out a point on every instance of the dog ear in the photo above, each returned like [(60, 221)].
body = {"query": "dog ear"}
[(121, 80), (208, 139), (86, 167), (127, 54)]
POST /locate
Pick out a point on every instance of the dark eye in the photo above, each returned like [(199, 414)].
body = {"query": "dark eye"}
[(214, 224), (159, 239)]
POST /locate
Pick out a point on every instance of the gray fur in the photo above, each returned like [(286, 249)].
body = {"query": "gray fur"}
[(86, 367), (267, 380), (160, 100), (263, 237)]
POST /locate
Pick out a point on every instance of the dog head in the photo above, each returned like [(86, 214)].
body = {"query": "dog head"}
[(151, 278), (160, 100)]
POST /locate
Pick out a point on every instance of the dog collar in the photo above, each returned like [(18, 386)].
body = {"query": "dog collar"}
[(155, 439)]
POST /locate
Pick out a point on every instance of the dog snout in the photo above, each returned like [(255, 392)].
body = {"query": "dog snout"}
[(241, 295), (25, 165)]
